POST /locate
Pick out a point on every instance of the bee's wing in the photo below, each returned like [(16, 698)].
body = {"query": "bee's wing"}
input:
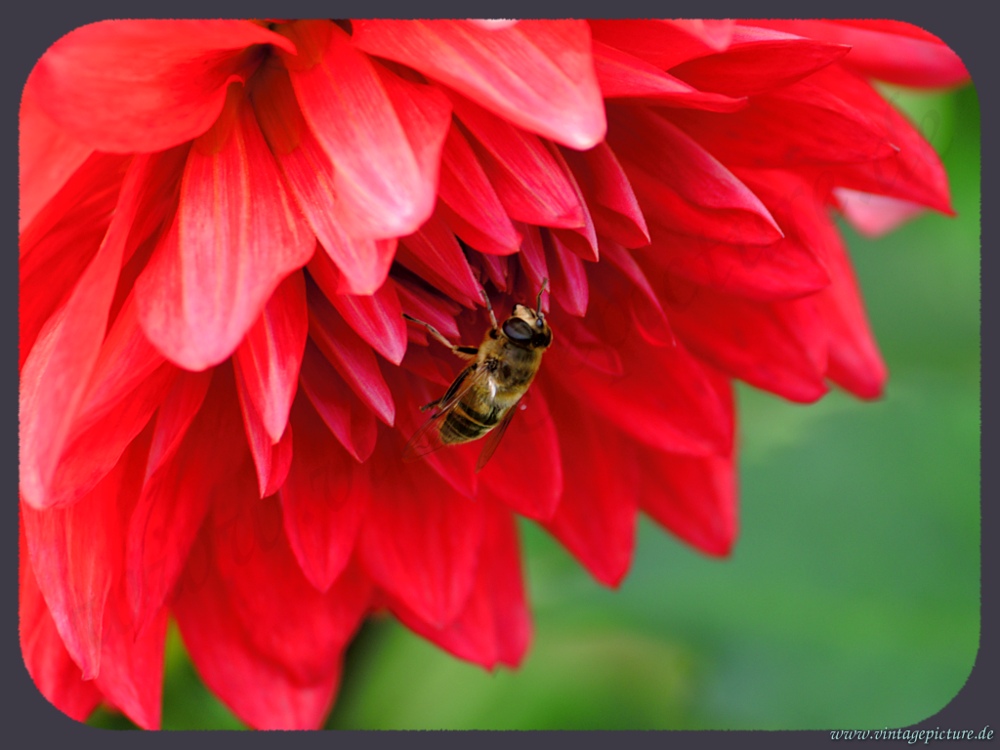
[(494, 436), (427, 438)]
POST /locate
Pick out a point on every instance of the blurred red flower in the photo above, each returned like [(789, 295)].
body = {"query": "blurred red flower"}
[(222, 223)]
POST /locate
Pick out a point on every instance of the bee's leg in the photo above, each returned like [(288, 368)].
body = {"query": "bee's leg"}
[(489, 309), (465, 352)]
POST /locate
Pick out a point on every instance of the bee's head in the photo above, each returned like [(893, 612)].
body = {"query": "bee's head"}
[(527, 328)]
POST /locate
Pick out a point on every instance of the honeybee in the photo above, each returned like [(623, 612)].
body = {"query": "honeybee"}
[(483, 398)]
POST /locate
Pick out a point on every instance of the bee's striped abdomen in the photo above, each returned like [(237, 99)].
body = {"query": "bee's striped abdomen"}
[(465, 423)]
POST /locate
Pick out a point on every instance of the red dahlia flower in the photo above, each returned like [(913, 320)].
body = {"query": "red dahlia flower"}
[(223, 222)]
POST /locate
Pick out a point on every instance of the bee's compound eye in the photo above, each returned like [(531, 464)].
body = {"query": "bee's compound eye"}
[(517, 330)]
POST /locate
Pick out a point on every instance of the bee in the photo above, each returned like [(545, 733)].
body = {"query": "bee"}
[(483, 398)]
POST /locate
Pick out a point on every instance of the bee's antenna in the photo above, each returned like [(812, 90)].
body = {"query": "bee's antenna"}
[(538, 304)]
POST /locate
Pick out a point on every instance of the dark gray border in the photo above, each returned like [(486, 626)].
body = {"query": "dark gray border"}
[(33, 26)]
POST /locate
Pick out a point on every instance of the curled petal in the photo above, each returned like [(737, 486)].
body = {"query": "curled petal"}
[(142, 86), (536, 74)]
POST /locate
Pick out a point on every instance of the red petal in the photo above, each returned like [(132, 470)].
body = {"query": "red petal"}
[(47, 156), (270, 355), (161, 528), (914, 174), (261, 637), (777, 346), (132, 665), (610, 198), (55, 374), (177, 410), (75, 556), (471, 205), (377, 318), (236, 236), (622, 75), (695, 498), (632, 285), (532, 436), (144, 86), (805, 123), (420, 540), (569, 278), (350, 355), (363, 261), (271, 458), (349, 420), (781, 270), (758, 60), (536, 74), (428, 307), (433, 253), (322, 500), (584, 348), (893, 51), (528, 180), (664, 43), (581, 240), (689, 190), (532, 256), (495, 625), (663, 398), (596, 519), (54, 673), (386, 182)]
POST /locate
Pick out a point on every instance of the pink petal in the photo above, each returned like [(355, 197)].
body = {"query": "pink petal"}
[(235, 237), (377, 318), (469, 203), (609, 196), (536, 74), (874, 215), (323, 500), (664, 44), (894, 51), (495, 625), (144, 86), (270, 355), (363, 261), (532, 437), (54, 673), (759, 60), (55, 374), (777, 346), (203, 466), (386, 183), (528, 180), (420, 540), (596, 519), (781, 270), (433, 253), (350, 355), (622, 75), (689, 190), (351, 421)]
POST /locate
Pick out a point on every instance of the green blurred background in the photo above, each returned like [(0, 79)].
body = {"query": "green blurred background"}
[(851, 599)]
